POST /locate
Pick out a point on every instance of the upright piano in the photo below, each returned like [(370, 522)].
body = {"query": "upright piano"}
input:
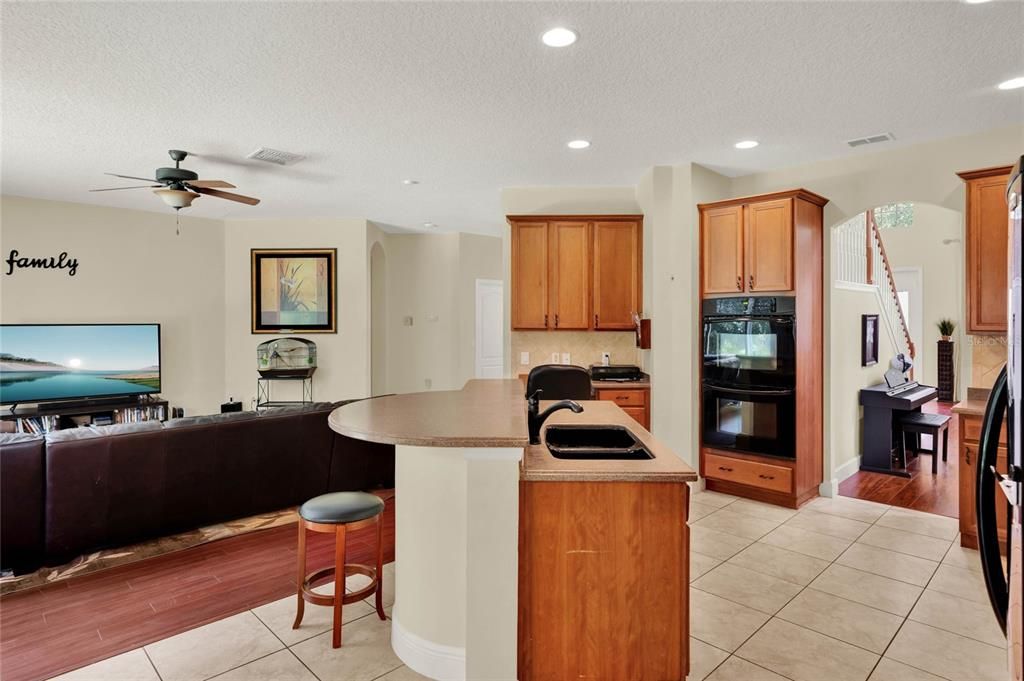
[(882, 414)]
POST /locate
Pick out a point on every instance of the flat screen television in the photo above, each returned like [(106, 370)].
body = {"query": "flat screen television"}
[(49, 362)]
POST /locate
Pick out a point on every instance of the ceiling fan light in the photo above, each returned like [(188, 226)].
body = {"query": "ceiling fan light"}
[(176, 198)]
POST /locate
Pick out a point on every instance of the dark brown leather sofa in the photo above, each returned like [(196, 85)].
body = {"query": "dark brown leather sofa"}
[(21, 501), (112, 486)]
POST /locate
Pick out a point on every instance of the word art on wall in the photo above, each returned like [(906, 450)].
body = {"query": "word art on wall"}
[(61, 262)]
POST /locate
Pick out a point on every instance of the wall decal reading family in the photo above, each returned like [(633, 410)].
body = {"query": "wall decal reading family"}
[(61, 262)]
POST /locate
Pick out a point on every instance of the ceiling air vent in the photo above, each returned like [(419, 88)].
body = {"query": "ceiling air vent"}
[(281, 158), (873, 139)]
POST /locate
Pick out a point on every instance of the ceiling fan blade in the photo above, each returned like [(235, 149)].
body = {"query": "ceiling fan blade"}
[(132, 177), (211, 184), (228, 195), (138, 186)]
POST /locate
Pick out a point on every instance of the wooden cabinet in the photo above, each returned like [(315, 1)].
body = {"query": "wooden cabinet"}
[(769, 246), (530, 272), (722, 249), (569, 275), (986, 219), (747, 247), (616, 274), (576, 272), (603, 580), (970, 430), (748, 472), (634, 401)]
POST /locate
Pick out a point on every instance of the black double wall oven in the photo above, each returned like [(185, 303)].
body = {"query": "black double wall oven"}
[(749, 382)]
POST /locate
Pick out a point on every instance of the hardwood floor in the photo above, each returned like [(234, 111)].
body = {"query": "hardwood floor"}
[(922, 491), (71, 623)]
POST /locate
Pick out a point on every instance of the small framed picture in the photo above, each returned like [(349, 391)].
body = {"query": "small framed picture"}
[(294, 290), (868, 340)]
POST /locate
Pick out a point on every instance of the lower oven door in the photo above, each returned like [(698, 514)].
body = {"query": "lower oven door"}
[(752, 421)]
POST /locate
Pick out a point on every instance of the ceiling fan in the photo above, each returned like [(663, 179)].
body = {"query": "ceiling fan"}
[(179, 187)]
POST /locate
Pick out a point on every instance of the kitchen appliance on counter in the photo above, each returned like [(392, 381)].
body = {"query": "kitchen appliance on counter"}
[(749, 379), (1000, 491), (621, 373)]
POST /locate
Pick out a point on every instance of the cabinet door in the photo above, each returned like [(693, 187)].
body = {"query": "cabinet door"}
[(569, 275), (722, 249), (769, 246), (617, 274), (966, 477), (530, 275), (986, 254)]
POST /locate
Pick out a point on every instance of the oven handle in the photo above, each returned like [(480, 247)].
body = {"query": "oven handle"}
[(749, 318), (748, 391)]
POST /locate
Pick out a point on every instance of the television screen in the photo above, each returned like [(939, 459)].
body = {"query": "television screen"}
[(44, 362)]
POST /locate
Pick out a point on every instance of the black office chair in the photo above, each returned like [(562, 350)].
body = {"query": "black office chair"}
[(559, 382)]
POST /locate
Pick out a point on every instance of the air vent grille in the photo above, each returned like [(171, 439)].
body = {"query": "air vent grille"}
[(872, 139), (281, 158)]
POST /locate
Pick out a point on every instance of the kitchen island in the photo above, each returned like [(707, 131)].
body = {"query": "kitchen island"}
[(459, 469)]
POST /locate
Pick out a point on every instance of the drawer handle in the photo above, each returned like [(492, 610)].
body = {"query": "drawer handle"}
[(767, 477), (724, 468), (739, 282), (751, 282), (556, 320)]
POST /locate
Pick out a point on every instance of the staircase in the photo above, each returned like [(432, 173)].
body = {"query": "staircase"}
[(859, 259)]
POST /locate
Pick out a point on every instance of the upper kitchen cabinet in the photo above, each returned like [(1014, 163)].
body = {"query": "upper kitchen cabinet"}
[(769, 246), (986, 228), (576, 271), (617, 278), (722, 249), (569, 275), (530, 275)]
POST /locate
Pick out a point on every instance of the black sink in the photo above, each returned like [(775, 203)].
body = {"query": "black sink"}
[(594, 442)]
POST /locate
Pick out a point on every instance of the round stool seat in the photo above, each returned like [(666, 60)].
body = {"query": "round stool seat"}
[(341, 507)]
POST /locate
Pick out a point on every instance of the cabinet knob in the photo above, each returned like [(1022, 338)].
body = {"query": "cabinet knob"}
[(556, 321), (545, 321), (596, 323)]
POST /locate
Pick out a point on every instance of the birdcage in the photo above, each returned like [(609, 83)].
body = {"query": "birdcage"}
[(286, 358)]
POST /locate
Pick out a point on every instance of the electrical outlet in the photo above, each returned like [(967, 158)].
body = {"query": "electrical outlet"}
[(554, 358), (429, 383), (565, 358), (606, 358), (524, 358)]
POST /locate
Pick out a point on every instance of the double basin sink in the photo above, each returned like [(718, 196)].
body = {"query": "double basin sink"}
[(594, 442)]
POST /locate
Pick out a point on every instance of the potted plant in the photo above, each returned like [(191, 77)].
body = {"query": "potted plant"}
[(946, 327)]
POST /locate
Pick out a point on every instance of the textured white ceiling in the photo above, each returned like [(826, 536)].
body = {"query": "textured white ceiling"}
[(465, 98)]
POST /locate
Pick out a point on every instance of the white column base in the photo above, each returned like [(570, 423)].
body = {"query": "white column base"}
[(444, 663)]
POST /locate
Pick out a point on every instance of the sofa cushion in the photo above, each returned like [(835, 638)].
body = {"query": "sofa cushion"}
[(12, 438), (90, 432), (210, 419), (296, 409)]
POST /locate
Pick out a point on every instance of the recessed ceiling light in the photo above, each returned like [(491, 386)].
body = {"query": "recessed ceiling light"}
[(1012, 84), (429, 225), (410, 181), (976, 2), (578, 144), (746, 144), (559, 37)]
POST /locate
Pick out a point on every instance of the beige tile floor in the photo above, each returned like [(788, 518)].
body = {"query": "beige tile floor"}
[(843, 590)]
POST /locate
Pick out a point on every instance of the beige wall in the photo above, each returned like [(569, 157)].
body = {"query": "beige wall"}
[(343, 358), (132, 268)]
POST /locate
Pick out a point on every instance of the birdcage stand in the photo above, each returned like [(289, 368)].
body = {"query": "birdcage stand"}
[(263, 397)]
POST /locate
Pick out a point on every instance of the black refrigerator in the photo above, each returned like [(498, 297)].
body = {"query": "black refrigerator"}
[(1000, 491)]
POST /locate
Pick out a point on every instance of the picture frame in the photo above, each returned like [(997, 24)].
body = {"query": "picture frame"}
[(868, 340), (294, 290)]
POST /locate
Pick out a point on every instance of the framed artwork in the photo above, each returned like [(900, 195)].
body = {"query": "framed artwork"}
[(868, 340), (294, 290)]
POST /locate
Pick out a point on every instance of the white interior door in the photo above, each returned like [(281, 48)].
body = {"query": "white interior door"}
[(490, 313)]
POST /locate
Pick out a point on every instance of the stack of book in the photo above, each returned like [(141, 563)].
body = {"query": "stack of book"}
[(38, 425)]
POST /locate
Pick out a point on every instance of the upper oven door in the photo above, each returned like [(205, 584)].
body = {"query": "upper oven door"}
[(750, 351)]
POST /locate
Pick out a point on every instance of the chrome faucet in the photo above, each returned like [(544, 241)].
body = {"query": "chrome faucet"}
[(536, 420)]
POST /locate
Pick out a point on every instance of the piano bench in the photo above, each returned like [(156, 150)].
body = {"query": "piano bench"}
[(920, 424)]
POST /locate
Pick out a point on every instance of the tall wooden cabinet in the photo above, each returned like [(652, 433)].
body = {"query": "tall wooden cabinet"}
[(576, 272), (767, 245), (986, 249)]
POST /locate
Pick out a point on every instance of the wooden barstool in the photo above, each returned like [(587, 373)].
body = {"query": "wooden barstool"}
[(338, 513), (918, 424)]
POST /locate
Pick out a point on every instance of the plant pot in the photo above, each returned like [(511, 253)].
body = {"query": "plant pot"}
[(947, 338)]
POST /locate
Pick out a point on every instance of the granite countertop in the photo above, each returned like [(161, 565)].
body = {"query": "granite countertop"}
[(485, 413), (644, 382), (974, 405), (539, 465)]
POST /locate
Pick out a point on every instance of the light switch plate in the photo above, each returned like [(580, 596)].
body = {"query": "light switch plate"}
[(524, 358), (606, 358), (554, 358), (565, 358)]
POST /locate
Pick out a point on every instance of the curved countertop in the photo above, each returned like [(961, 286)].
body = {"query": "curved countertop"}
[(485, 413)]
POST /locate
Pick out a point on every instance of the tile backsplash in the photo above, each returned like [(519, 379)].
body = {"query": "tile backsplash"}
[(988, 354), (584, 347)]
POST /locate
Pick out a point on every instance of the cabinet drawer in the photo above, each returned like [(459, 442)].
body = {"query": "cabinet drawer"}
[(972, 429), (753, 473), (638, 414), (624, 398)]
